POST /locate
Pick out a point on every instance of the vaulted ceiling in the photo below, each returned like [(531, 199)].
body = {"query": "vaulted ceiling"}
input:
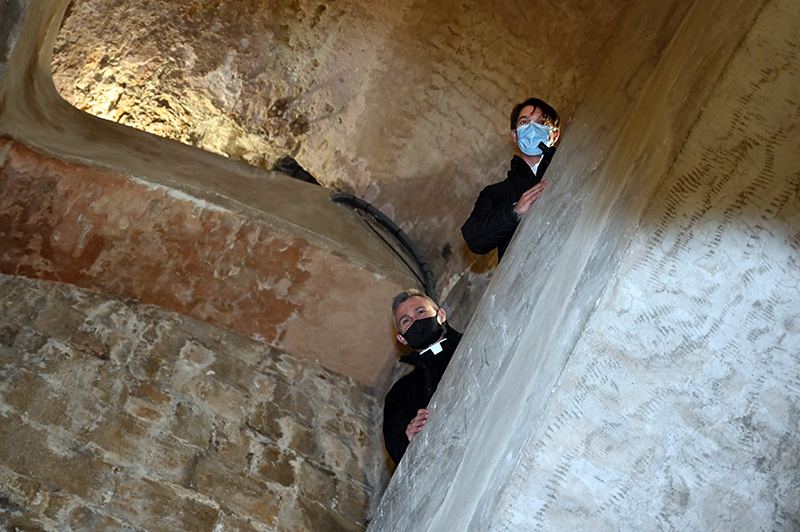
[(403, 104)]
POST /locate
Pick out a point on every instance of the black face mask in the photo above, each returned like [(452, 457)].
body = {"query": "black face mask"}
[(423, 332)]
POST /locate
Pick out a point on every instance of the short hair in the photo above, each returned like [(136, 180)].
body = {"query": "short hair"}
[(404, 296), (550, 114)]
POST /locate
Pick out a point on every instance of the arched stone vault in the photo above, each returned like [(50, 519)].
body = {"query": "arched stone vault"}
[(193, 232)]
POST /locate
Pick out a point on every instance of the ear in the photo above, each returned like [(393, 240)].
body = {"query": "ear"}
[(401, 339), (556, 134), (514, 135), (442, 315)]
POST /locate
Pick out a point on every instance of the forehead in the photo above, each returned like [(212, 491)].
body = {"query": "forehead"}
[(530, 112), (410, 305)]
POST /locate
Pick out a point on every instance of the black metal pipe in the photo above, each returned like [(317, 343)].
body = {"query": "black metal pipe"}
[(408, 246)]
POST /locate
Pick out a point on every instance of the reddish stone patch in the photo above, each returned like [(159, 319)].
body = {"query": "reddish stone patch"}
[(102, 231)]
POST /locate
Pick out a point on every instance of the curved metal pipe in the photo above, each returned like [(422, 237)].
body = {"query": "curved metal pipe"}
[(410, 249)]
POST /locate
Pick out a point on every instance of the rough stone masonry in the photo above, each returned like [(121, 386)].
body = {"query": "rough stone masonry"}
[(118, 415)]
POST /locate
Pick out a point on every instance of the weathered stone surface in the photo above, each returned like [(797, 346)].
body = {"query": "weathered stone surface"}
[(153, 438), (302, 514), (316, 483), (98, 230), (65, 463), (277, 465), (351, 499), (162, 506), (636, 366), (83, 519)]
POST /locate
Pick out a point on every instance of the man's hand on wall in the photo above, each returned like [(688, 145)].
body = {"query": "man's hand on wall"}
[(416, 424), (528, 197)]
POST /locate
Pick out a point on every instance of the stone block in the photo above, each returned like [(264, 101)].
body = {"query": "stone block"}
[(263, 386), (85, 519), (8, 335), (350, 427), (266, 421), (191, 424), (340, 454), (168, 459), (352, 499), (147, 402), (17, 387), (56, 505), (120, 433), (18, 489), (300, 515), (58, 320), (219, 398), (303, 440), (235, 355), (153, 362), (161, 506), (234, 490), (70, 465), (86, 343), (18, 343), (277, 466), (316, 483), (292, 399)]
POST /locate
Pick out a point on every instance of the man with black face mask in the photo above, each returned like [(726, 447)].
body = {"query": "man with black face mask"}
[(422, 326)]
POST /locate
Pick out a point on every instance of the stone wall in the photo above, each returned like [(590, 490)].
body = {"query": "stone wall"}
[(636, 362), (120, 416), (403, 103)]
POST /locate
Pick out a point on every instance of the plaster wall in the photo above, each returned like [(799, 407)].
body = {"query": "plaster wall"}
[(635, 365)]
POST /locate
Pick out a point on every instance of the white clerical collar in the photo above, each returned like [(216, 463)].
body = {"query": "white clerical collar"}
[(535, 166), (434, 348)]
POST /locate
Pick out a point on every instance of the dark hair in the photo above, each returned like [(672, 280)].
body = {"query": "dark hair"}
[(549, 113), (404, 296)]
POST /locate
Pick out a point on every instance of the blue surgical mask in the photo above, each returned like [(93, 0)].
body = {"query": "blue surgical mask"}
[(530, 135)]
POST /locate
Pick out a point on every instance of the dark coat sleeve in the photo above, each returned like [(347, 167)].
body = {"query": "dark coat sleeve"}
[(491, 223), (399, 409)]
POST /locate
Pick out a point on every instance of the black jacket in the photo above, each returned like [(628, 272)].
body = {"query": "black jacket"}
[(493, 220), (414, 391)]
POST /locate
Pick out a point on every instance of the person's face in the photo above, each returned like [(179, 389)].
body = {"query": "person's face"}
[(413, 309), (530, 114)]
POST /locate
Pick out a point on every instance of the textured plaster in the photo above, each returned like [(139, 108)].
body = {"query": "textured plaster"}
[(96, 229), (635, 362), (679, 408), (403, 103)]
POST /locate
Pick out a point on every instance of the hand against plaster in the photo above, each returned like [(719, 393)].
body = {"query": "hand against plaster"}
[(528, 197), (416, 424)]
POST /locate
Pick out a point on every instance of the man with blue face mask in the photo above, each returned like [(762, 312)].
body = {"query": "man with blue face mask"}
[(501, 206), (422, 326)]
